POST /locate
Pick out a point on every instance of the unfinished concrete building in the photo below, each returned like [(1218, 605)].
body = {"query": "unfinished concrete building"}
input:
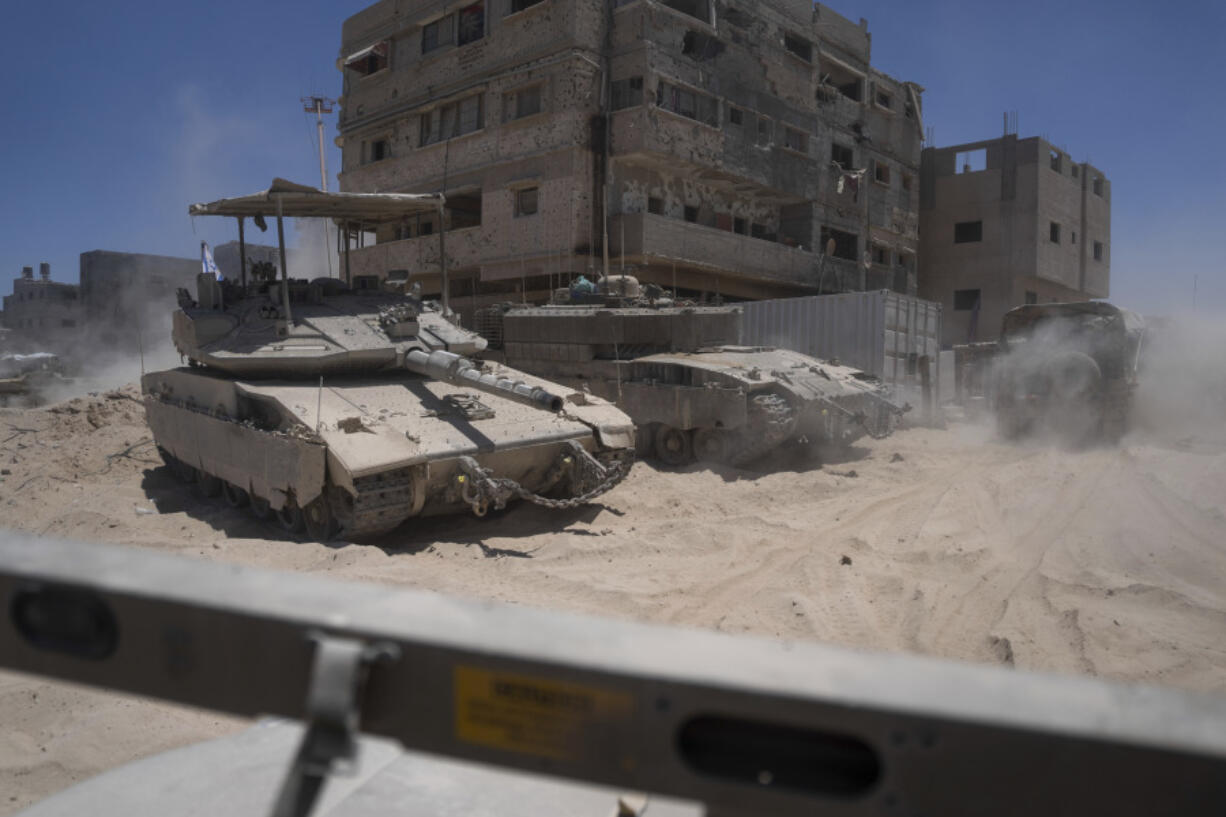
[(42, 311), (726, 142), (1008, 222)]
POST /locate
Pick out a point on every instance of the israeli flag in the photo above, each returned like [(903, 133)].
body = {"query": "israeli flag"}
[(207, 262)]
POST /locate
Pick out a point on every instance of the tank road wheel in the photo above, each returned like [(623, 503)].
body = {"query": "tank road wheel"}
[(207, 484), (235, 496), (290, 517), (673, 445), (710, 445), (260, 508), (319, 520)]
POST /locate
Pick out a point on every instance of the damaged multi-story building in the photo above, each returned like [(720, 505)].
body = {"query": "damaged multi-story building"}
[(712, 147), (1007, 222), (43, 311)]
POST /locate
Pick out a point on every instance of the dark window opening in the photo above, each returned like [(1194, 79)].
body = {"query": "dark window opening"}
[(736, 116), (471, 24), (968, 232), (884, 100), (795, 140), (1098, 251), (655, 205), (464, 210), (700, 46), (846, 245), (691, 213), (738, 226), (1098, 185), (798, 46), (687, 103), (694, 8), (1031, 297), (526, 201), (368, 60), (881, 172), (378, 150), (881, 255), (906, 260), (848, 83), (844, 157), (438, 34), (966, 299), (520, 5), (971, 161), (627, 93), (1073, 236), (1055, 160), (521, 103), (1054, 233)]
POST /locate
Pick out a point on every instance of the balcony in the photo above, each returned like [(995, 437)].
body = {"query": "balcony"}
[(662, 240)]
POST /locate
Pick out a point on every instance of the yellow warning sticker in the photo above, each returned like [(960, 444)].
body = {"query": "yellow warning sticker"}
[(536, 716)]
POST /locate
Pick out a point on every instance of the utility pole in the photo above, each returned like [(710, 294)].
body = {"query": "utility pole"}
[(322, 105), (319, 105)]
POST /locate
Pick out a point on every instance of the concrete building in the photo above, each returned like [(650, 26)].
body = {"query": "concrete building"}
[(41, 311), (725, 141), (1007, 222), (123, 294)]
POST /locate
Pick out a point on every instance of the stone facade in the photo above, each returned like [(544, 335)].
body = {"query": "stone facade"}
[(42, 312), (1006, 222), (713, 134)]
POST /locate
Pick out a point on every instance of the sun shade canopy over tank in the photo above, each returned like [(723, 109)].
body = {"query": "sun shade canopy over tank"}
[(301, 201)]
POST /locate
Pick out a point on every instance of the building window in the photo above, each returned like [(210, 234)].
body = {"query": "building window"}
[(881, 172), (687, 103), (691, 214), (515, 6), (655, 205), (971, 161), (738, 226), (844, 157), (968, 232), (378, 150), (526, 201), (1098, 251), (764, 131), (627, 93), (456, 119), (906, 182), (368, 60), (736, 116), (884, 100), (471, 25), (1098, 185), (463, 210), (881, 255), (438, 34), (700, 47), (906, 260), (1056, 161), (1076, 171), (847, 82), (846, 245), (521, 103), (795, 140), (1074, 236), (1031, 297), (1054, 233), (966, 299), (798, 46)]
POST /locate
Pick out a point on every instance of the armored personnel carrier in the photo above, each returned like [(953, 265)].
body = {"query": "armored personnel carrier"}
[(343, 410), (676, 370)]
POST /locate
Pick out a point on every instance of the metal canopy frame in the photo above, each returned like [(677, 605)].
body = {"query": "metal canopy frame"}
[(286, 199), (744, 725)]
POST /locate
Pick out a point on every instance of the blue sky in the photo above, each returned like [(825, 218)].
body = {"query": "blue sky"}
[(117, 116)]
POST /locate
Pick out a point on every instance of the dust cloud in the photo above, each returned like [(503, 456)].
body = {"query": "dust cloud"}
[(1181, 391)]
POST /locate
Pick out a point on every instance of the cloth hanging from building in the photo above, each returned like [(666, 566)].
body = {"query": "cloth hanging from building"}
[(849, 179)]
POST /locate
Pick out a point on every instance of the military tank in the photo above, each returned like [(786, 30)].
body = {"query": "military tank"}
[(342, 410), (25, 379), (676, 369)]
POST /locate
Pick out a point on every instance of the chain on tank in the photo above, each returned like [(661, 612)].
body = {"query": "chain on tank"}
[(482, 489)]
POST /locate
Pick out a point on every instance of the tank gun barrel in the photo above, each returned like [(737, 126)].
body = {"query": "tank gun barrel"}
[(463, 372)]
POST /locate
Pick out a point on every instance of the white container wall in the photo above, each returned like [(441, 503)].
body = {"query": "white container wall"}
[(881, 332)]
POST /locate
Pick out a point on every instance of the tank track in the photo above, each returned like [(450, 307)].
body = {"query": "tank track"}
[(771, 421)]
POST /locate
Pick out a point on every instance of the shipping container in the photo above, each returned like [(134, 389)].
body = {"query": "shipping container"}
[(882, 332)]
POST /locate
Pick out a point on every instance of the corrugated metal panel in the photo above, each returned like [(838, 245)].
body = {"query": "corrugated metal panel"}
[(881, 332)]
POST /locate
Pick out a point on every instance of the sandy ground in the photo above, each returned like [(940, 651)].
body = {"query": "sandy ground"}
[(1108, 562)]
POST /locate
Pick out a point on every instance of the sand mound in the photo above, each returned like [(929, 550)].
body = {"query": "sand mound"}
[(1106, 562)]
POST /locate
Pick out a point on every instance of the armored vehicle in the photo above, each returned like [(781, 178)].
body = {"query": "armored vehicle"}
[(348, 410), (676, 370), (1067, 368), (25, 378)]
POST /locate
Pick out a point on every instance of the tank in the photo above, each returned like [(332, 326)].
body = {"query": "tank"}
[(351, 411), (25, 379), (675, 368)]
